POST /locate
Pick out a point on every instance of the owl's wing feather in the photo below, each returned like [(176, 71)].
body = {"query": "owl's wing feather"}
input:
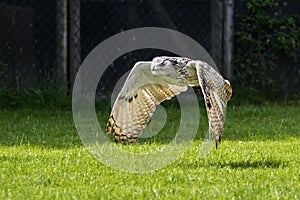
[(217, 92), (137, 102)]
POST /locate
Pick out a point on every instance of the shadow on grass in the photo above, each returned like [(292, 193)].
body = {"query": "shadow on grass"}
[(242, 164), (248, 164)]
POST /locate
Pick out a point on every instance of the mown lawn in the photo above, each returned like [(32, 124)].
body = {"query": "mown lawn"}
[(41, 157)]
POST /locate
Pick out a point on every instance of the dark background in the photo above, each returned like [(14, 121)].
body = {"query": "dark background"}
[(28, 39)]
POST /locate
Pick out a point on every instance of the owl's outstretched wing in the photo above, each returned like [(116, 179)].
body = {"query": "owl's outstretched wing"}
[(137, 102), (217, 92)]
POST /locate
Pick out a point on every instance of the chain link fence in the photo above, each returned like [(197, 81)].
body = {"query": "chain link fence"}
[(42, 41), (27, 42), (102, 19)]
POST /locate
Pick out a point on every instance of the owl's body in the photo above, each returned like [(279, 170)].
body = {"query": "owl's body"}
[(150, 83)]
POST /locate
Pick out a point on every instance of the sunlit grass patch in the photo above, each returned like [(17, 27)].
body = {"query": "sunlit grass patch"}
[(42, 157)]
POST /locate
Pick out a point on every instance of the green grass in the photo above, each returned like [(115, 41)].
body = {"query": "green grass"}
[(41, 157)]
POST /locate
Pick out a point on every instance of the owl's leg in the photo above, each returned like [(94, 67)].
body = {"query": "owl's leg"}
[(218, 140)]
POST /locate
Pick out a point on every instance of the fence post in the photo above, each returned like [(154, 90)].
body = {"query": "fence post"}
[(228, 38), (222, 35), (216, 9), (74, 39), (61, 45)]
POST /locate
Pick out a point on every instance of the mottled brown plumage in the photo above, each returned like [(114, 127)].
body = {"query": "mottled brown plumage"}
[(151, 83), (216, 92)]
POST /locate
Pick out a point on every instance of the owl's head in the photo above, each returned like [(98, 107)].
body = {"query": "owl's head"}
[(171, 67)]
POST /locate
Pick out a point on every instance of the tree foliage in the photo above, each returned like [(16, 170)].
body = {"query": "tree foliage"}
[(263, 35)]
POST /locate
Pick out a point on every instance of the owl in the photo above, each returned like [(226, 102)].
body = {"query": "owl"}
[(152, 82)]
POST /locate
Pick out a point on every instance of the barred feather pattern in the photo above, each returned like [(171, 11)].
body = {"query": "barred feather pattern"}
[(131, 115), (217, 92), (165, 77)]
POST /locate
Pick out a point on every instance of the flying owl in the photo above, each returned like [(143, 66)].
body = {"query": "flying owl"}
[(150, 83)]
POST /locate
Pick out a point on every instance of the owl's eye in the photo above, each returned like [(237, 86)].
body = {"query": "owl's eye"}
[(170, 61), (158, 60), (174, 62)]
